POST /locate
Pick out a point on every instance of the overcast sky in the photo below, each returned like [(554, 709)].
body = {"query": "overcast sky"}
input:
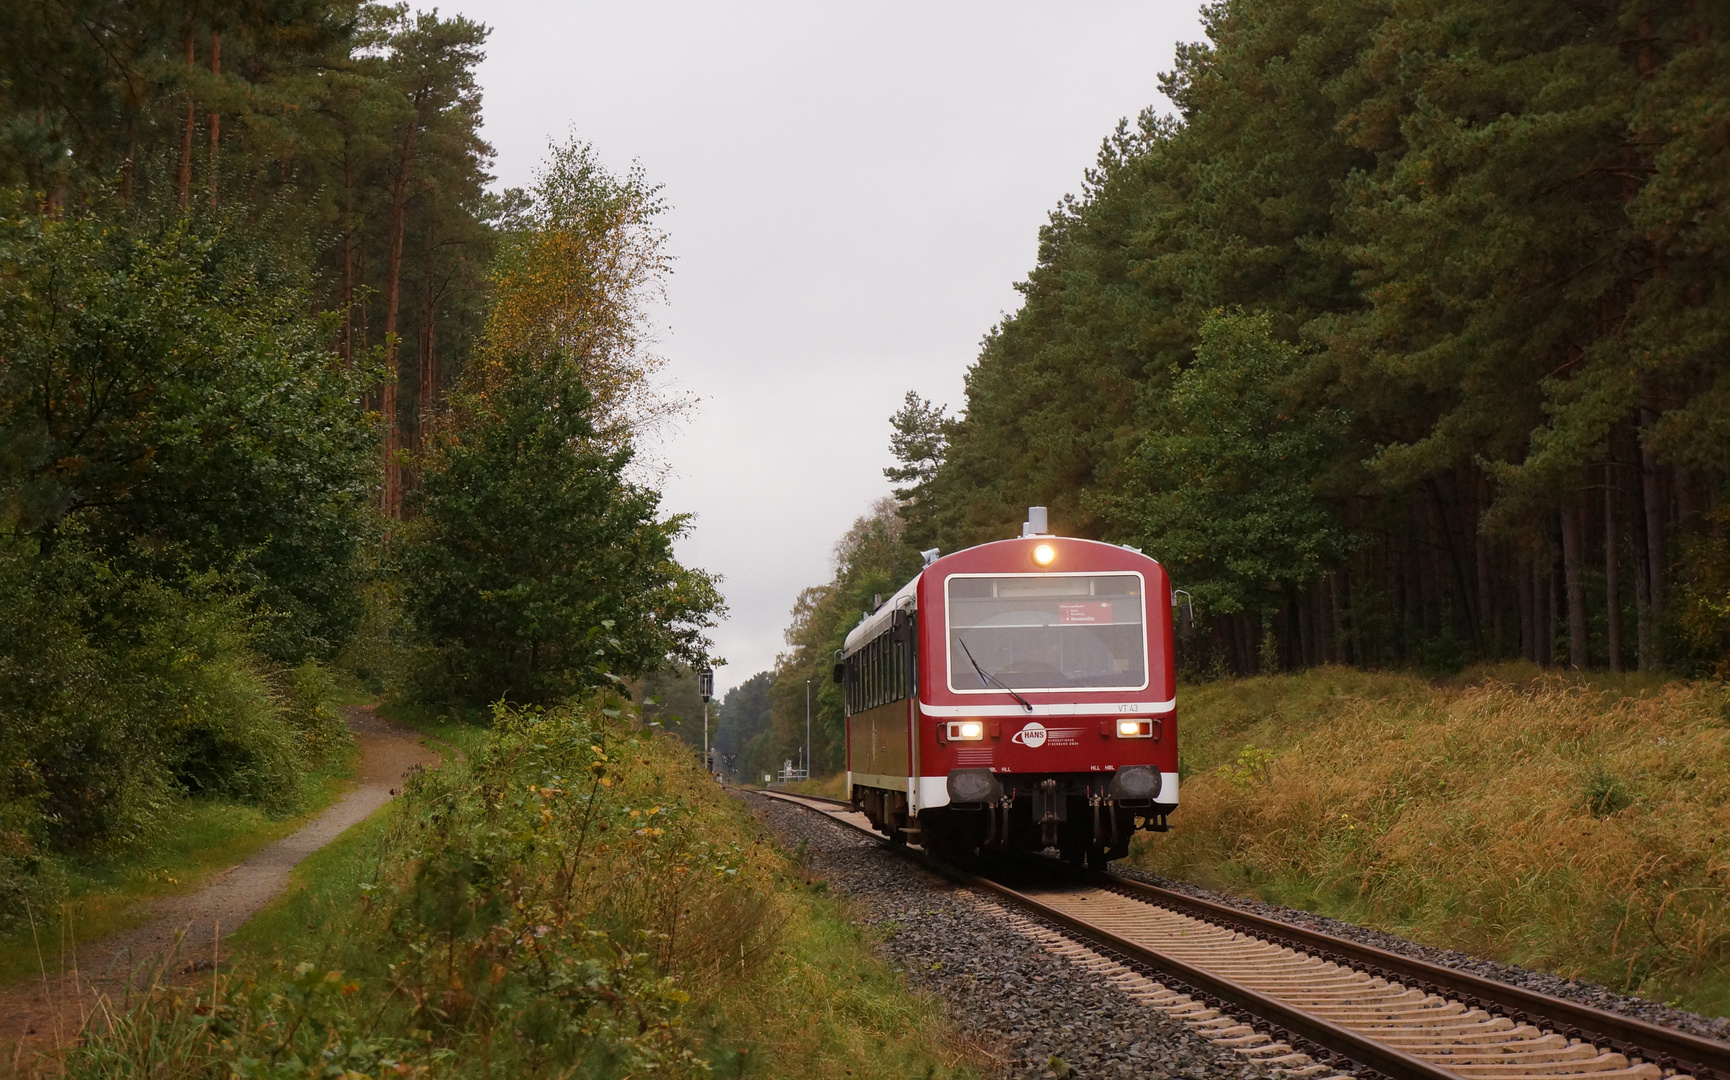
[(855, 189)]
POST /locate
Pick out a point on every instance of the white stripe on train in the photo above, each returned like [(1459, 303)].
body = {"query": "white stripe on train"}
[(928, 792), (1119, 708)]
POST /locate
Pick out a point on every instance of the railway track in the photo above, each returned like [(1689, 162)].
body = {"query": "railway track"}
[(1313, 1004)]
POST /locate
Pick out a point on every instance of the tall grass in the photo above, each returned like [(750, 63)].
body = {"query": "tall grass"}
[(1578, 828), (575, 900)]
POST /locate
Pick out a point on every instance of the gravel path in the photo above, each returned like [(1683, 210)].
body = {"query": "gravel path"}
[(38, 1013), (1008, 993), (1541, 982)]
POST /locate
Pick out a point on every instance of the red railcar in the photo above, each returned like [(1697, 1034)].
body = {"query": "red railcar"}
[(1018, 694)]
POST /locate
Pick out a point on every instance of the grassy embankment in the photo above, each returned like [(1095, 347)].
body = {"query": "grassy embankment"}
[(575, 899), (193, 837), (1580, 826), (828, 787)]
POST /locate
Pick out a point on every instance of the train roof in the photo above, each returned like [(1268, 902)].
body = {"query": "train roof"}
[(876, 622)]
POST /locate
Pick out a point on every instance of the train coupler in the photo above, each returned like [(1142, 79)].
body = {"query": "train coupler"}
[(1050, 811)]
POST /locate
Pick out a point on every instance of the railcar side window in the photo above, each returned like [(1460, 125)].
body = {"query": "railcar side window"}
[(1046, 632), (878, 672)]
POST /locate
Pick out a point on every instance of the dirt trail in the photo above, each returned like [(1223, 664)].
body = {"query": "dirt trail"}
[(35, 1015)]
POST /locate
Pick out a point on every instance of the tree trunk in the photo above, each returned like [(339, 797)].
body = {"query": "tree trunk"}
[(1578, 657), (1456, 565), (1527, 574), (426, 369), (1552, 617), (1412, 625), (363, 331), (1489, 615), (1324, 618), (392, 299), (346, 296), (186, 133), (215, 117), (1651, 491), (1429, 581), (1351, 647), (1612, 567), (1642, 581)]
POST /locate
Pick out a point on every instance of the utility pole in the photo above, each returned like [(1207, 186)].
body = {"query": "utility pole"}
[(807, 729), (706, 689)]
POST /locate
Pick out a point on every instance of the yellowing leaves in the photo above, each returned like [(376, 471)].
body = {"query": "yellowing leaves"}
[(573, 284)]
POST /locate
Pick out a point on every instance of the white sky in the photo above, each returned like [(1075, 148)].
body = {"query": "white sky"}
[(855, 187)]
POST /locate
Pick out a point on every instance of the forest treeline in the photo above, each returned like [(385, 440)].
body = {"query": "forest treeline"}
[(286, 393), (1402, 344)]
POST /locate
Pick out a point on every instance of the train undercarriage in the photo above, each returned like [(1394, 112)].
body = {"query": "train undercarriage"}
[(1087, 817)]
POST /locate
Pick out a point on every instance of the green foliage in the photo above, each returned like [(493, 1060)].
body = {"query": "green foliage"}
[(919, 442), (1228, 472), (184, 482), (670, 698), (1703, 614), (100, 91), (535, 568), (1480, 242), (872, 560), (1603, 792), (122, 695), (1253, 766), (348, 134), (743, 728), (166, 388), (576, 899)]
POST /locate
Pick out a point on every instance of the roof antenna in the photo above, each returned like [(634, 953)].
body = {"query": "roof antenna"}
[(1035, 523)]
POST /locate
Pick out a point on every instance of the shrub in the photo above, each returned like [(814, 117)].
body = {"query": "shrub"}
[(578, 899), (120, 695), (1604, 793)]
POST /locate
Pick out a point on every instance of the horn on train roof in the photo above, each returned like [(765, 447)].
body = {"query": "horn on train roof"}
[(1035, 525)]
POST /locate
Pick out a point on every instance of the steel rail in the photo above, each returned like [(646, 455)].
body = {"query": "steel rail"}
[(791, 796), (1387, 1060), (1670, 1049), (1705, 1059)]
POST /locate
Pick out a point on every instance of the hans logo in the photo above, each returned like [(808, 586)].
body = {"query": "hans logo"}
[(1032, 736)]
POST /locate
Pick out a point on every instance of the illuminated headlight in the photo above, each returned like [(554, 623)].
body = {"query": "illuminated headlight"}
[(1135, 729), (966, 730), (1044, 554)]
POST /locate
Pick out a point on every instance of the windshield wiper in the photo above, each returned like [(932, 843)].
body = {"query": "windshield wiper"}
[(986, 676)]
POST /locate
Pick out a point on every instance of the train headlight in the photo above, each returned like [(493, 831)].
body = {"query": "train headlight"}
[(1135, 729), (966, 731), (1044, 554)]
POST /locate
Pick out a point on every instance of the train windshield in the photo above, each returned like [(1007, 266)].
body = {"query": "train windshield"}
[(1046, 632)]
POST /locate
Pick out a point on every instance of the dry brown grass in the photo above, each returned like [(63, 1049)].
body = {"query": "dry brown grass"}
[(1578, 828)]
